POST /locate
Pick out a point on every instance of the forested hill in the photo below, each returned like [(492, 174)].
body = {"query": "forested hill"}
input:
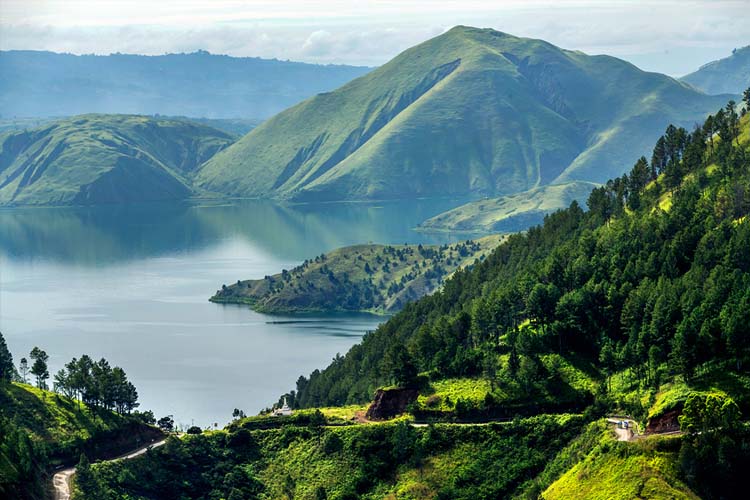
[(373, 278), (199, 84), (654, 280)]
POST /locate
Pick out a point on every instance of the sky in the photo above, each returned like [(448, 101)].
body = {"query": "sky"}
[(669, 36)]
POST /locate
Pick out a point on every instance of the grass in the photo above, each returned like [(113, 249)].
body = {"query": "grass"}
[(370, 278), (65, 426), (512, 212), (369, 462), (104, 159), (442, 395), (460, 113), (623, 471)]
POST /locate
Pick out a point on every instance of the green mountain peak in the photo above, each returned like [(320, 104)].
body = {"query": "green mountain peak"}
[(472, 111)]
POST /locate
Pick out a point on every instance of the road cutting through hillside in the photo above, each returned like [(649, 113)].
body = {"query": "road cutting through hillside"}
[(61, 479)]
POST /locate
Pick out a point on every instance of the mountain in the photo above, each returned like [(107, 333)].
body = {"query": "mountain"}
[(92, 159), (510, 213), (730, 75), (470, 111), (200, 84), (504, 379), (371, 278)]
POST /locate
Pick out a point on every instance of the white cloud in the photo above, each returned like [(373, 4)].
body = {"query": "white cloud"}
[(668, 35)]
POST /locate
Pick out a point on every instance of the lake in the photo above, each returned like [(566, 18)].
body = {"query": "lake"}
[(131, 284)]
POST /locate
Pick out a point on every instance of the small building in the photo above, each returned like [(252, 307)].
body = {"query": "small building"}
[(283, 411)]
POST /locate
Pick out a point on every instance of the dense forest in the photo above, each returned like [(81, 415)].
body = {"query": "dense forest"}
[(653, 279)]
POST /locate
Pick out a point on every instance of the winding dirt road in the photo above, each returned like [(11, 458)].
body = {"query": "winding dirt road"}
[(61, 479)]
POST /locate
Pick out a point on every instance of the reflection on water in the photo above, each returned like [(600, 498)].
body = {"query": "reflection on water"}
[(131, 283)]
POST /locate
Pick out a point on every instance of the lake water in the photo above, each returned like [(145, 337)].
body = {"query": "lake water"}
[(131, 283)]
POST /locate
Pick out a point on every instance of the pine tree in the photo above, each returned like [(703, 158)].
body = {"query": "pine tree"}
[(7, 370)]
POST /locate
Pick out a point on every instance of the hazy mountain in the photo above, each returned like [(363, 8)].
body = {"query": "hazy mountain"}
[(104, 159), (471, 111), (730, 75), (510, 213), (199, 84)]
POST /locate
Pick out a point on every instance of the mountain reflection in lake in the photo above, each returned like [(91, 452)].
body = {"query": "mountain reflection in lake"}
[(131, 284)]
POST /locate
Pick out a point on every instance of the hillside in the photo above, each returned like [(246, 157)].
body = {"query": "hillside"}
[(730, 75), (472, 111), (92, 159), (374, 278), (645, 295), (37, 84), (40, 430), (511, 213), (638, 306)]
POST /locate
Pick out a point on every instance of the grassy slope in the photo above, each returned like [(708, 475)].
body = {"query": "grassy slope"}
[(623, 471), (730, 75), (66, 427), (512, 212), (469, 111), (360, 461), (104, 159), (386, 288)]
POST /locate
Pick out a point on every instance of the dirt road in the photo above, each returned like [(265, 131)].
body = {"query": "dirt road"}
[(623, 433), (61, 479)]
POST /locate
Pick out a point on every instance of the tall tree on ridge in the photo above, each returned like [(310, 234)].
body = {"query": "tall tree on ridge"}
[(39, 368), (6, 362)]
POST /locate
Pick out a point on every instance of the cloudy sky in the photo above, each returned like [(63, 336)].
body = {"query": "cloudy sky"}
[(670, 36)]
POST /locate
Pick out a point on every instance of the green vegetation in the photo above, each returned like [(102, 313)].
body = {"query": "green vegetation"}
[(93, 159), (725, 76), (635, 306), (623, 471), (40, 430), (470, 111), (374, 278), (391, 460), (510, 213)]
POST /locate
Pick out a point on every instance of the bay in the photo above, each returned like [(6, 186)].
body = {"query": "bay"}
[(131, 284)]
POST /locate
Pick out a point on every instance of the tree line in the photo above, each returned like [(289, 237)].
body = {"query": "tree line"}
[(95, 383)]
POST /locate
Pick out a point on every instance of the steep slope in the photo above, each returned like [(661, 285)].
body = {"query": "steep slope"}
[(36, 83), (104, 159), (509, 213), (470, 111), (730, 75)]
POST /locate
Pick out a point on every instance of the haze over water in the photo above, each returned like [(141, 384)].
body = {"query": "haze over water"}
[(131, 284)]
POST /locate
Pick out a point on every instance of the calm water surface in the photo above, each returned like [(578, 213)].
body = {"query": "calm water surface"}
[(131, 284)]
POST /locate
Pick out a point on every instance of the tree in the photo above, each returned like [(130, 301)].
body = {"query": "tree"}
[(746, 97), (403, 371), (7, 370), (39, 368), (237, 413), (166, 423), (23, 369)]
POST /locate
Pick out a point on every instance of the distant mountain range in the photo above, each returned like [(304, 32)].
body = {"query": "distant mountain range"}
[(94, 159), (730, 75), (37, 84), (472, 111)]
